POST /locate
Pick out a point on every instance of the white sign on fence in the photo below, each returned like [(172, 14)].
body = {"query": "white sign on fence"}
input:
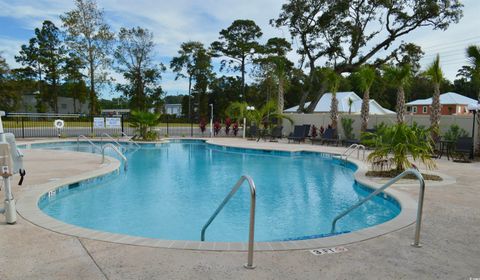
[(113, 122), (98, 123)]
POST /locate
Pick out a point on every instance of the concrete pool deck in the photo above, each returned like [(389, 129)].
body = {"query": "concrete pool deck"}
[(450, 234)]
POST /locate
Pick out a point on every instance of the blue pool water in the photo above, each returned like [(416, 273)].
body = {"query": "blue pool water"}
[(170, 191)]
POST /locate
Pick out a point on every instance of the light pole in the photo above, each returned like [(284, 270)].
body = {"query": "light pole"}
[(474, 108), (211, 120), (249, 108)]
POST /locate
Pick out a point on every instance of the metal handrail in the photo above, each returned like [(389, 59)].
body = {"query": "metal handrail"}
[(88, 140), (130, 139), (352, 148), (110, 145), (235, 188), (411, 171), (111, 138)]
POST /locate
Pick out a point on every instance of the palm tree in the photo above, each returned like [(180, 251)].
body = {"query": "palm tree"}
[(400, 143), (333, 83), (366, 76), (399, 77), (260, 116), (237, 110), (435, 74), (143, 122), (473, 54), (350, 103)]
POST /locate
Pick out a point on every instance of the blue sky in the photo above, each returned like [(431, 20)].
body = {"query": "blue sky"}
[(174, 22)]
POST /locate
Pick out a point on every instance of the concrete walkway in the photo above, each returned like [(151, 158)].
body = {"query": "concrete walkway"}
[(450, 235)]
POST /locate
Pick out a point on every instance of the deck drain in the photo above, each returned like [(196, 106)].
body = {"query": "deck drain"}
[(324, 251)]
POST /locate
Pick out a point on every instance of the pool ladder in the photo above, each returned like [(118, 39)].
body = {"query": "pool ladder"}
[(102, 149), (89, 141), (119, 146), (411, 171), (114, 148), (351, 149), (129, 139), (235, 188)]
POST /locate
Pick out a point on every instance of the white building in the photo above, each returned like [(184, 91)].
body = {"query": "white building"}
[(344, 106), (173, 109)]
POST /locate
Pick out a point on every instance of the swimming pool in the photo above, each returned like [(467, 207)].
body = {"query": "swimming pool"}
[(170, 190)]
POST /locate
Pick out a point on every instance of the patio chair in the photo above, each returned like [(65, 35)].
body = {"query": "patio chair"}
[(298, 134), (276, 133), (463, 147), (252, 132), (307, 130), (329, 136)]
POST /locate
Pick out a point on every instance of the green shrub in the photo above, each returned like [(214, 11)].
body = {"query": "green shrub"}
[(397, 143), (454, 132), (347, 125), (143, 122)]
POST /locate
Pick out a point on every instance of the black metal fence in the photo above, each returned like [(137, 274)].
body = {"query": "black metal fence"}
[(42, 125)]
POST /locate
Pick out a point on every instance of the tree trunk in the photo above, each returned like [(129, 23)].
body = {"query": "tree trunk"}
[(365, 112), (313, 104), (435, 113), (55, 95), (92, 90), (311, 86), (400, 105), (243, 79), (334, 112), (280, 98)]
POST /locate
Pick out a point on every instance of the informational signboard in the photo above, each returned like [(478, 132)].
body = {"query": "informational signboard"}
[(98, 123), (113, 122)]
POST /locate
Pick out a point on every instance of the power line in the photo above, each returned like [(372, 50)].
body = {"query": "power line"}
[(445, 45)]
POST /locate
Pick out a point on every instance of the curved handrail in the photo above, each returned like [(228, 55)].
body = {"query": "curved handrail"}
[(235, 188), (111, 138), (130, 139), (352, 148), (88, 140), (411, 171), (113, 147)]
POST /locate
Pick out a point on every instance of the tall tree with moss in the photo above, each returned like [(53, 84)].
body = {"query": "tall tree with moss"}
[(43, 58), (235, 43), (435, 74), (351, 33), (194, 63), (74, 80), (275, 64), (398, 77), (52, 55), (366, 76), (89, 36), (134, 55)]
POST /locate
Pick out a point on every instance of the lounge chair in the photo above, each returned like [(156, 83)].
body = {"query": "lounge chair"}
[(307, 130), (463, 147), (348, 142), (298, 134), (253, 132), (276, 133), (329, 136)]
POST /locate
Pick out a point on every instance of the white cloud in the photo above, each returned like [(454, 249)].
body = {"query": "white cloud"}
[(174, 22)]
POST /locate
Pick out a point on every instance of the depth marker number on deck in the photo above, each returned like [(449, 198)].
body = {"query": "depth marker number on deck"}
[(323, 251)]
